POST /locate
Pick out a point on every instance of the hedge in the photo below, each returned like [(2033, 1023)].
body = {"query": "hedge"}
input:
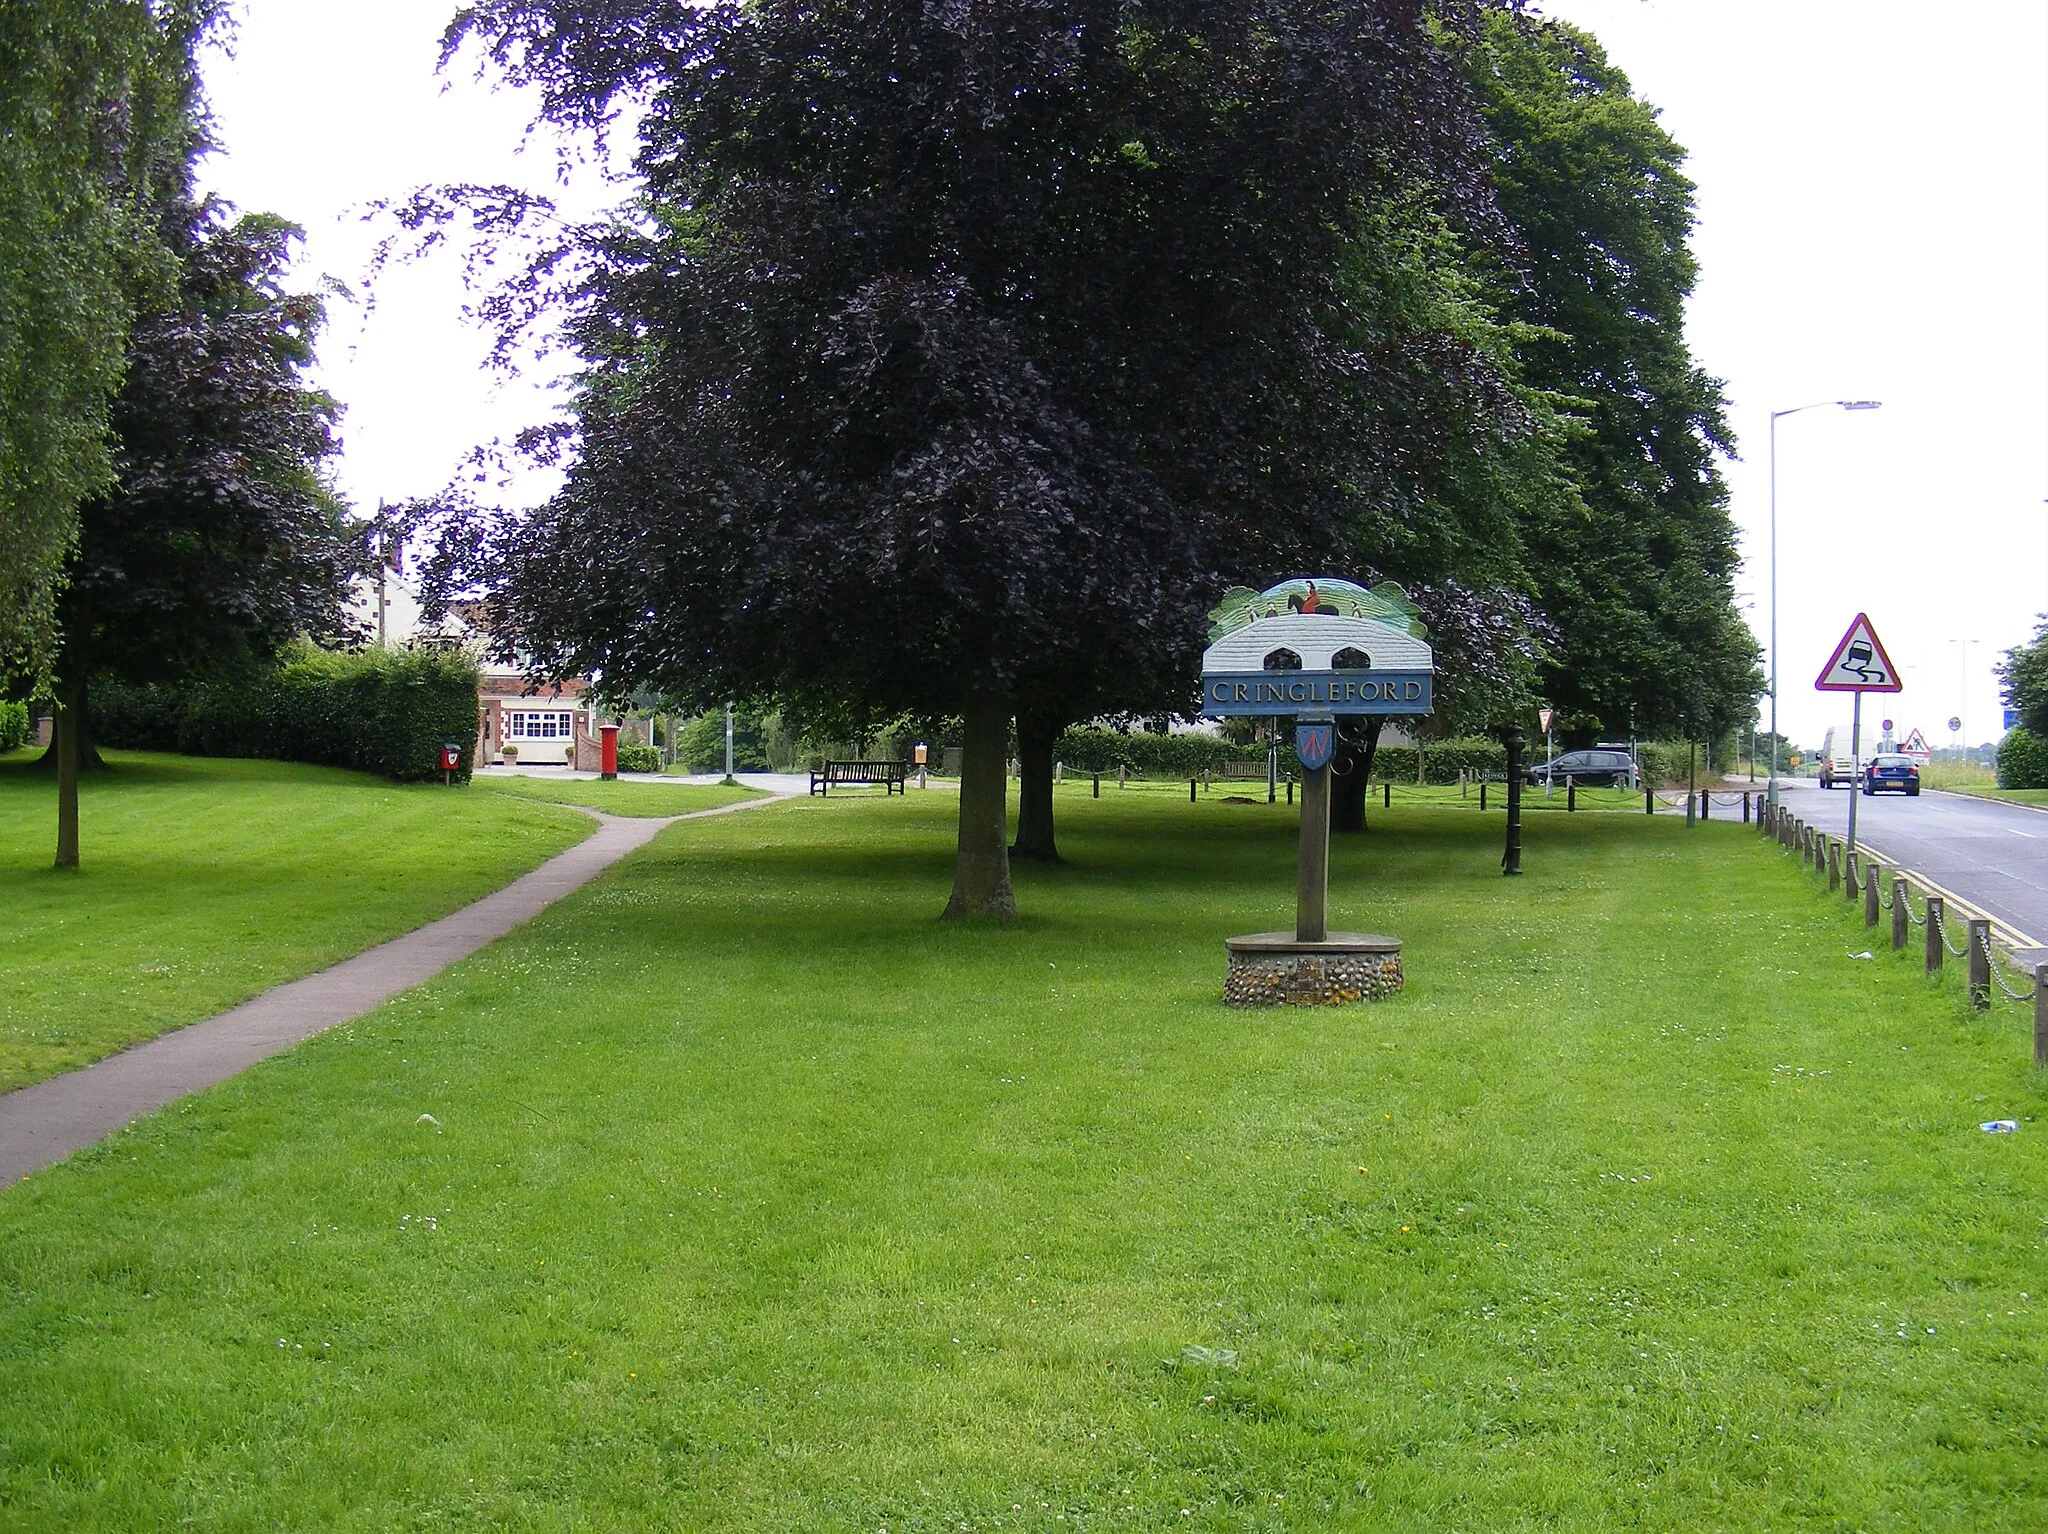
[(1091, 748), (13, 726), (1442, 760), (381, 711), (638, 758), (2022, 759)]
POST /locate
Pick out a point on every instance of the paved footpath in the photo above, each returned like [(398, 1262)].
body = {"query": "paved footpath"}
[(46, 1122)]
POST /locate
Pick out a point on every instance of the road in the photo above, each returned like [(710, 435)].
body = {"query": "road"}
[(1994, 855)]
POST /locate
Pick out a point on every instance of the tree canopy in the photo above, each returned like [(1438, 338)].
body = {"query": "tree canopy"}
[(1636, 571), (94, 104), (950, 356)]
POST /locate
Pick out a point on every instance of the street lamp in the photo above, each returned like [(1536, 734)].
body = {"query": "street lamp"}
[(1776, 416), (1962, 691)]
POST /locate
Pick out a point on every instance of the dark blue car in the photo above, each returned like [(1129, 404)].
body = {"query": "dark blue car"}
[(1892, 771)]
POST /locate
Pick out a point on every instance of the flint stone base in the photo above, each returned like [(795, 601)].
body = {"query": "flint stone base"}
[(1270, 969)]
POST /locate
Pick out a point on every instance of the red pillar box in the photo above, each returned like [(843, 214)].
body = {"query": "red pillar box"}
[(608, 751)]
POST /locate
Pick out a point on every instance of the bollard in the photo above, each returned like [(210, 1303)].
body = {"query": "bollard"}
[(1902, 915), (1871, 903), (1120, 777), (1834, 866), (1745, 809), (1850, 890), (1571, 794), (1290, 790), (1934, 934), (1098, 785), (1482, 793), (1688, 808), (2040, 1015), (1649, 800), (1706, 805), (1980, 964), (1191, 790), (1387, 794)]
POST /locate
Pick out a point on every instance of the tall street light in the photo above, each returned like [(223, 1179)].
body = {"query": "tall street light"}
[(1776, 416)]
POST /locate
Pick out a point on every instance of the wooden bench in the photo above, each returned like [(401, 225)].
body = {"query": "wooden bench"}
[(889, 776)]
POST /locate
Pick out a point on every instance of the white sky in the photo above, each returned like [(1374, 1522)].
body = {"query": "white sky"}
[(1873, 200)]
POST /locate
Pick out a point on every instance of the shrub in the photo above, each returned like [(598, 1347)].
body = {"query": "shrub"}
[(1443, 760), (1091, 748), (2022, 759), (381, 711), (636, 758), (700, 744), (13, 726)]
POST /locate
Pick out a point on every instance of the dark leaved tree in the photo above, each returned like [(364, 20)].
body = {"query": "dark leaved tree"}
[(219, 541), (949, 355)]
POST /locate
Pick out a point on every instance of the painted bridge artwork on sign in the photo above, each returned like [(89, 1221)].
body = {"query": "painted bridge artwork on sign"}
[(1316, 647)]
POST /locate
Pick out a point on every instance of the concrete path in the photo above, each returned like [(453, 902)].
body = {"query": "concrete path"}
[(46, 1122)]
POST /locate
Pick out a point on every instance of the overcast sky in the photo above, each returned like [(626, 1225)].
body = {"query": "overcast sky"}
[(1873, 204)]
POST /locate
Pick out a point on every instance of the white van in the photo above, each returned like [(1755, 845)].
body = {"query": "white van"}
[(1837, 761)]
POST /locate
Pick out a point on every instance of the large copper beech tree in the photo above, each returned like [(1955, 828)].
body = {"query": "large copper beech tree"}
[(949, 347)]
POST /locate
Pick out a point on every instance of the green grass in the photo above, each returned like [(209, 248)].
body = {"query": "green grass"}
[(632, 798), (205, 882), (760, 1200)]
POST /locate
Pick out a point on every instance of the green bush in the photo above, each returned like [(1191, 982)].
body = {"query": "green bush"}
[(13, 726), (636, 758), (1091, 748), (2022, 759), (700, 744), (1442, 759), (381, 711)]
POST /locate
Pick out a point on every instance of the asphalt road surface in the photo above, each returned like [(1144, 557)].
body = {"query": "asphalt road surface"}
[(1992, 854)]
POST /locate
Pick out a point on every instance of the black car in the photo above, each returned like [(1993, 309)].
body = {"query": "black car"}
[(1890, 770), (1594, 767)]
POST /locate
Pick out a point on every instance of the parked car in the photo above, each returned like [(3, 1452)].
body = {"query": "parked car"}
[(1595, 766), (1892, 770)]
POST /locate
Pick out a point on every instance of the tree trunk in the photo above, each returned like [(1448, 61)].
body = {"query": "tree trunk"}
[(89, 758), (981, 870), (65, 744), (1359, 740), (1036, 739)]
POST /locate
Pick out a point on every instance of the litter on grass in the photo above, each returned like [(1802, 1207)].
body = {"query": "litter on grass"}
[(2000, 1126), (1866, 954)]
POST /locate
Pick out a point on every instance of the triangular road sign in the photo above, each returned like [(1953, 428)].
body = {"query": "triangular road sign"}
[(1859, 663), (1916, 745)]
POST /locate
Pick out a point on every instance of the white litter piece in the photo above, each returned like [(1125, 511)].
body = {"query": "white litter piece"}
[(2000, 1126)]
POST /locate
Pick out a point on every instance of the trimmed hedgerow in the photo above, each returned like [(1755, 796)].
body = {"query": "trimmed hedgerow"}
[(1443, 760), (638, 758), (381, 711)]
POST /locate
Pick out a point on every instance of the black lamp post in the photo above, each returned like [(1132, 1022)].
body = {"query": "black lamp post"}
[(1511, 860)]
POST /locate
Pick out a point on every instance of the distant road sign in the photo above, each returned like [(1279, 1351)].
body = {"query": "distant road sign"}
[(1887, 727), (1954, 723), (1859, 663), (2012, 717), (1915, 745)]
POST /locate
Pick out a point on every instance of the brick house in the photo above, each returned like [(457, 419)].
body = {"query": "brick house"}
[(556, 723)]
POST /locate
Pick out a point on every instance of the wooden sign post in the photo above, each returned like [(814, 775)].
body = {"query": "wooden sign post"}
[(1314, 651)]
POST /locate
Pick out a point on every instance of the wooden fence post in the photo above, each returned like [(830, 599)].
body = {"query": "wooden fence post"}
[(1934, 903), (2040, 1015), (1649, 800), (1850, 862), (1902, 914), (1745, 807), (1980, 964), (1834, 866), (1871, 901)]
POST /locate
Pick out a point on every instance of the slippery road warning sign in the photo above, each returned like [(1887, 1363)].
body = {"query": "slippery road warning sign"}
[(1859, 663)]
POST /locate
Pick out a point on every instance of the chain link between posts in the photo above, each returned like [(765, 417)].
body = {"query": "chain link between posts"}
[(1854, 865)]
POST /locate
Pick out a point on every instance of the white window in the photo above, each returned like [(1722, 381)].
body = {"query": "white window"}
[(532, 724)]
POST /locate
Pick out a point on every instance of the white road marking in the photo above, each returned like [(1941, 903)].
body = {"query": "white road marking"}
[(2009, 831)]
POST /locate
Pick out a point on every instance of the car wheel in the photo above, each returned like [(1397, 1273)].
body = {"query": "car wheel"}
[(1913, 792)]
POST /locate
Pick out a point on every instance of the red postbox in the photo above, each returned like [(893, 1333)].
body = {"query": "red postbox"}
[(451, 761), (608, 751)]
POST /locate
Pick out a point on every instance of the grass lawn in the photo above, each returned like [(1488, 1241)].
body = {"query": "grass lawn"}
[(207, 881), (760, 1200), (619, 797)]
